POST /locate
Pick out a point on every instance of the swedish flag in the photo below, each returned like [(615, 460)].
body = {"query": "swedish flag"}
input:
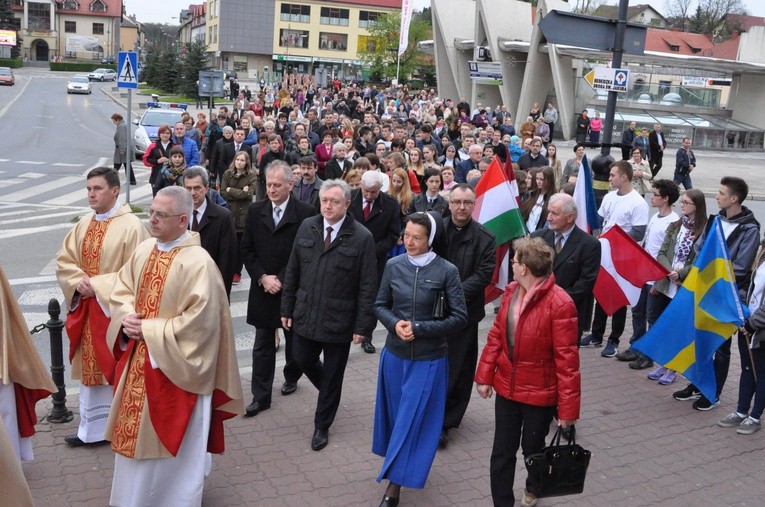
[(704, 313)]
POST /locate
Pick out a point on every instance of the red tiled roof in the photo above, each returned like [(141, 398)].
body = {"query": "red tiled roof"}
[(727, 50), (663, 40), (746, 22), (690, 44)]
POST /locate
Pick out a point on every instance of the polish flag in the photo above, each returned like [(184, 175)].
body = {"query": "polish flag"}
[(624, 269)]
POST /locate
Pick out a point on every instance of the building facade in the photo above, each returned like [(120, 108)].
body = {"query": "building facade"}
[(239, 35), (324, 38), (74, 29), (193, 24)]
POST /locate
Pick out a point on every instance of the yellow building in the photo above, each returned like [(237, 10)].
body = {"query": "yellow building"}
[(324, 37)]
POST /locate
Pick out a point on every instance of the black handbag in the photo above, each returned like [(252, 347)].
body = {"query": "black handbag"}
[(440, 306), (559, 470)]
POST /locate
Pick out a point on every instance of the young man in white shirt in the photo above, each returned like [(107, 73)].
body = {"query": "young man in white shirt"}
[(626, 208), (665, 194)]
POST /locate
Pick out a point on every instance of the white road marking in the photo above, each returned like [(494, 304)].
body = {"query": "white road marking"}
[(5, 160), (14, 233), (40, 189), (32, 176), (29, 218), (32, 162), (62, 164), (33, 280), (101, 162)]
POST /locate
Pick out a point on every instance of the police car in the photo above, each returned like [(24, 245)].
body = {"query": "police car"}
[(157, 114)]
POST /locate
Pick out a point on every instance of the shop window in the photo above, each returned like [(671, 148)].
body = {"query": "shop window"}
[(293, 38), (333, 41)]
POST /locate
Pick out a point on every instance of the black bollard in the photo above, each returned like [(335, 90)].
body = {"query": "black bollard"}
[(59, 414)]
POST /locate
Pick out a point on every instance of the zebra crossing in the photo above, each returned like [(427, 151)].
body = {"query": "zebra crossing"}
[(40, 200)]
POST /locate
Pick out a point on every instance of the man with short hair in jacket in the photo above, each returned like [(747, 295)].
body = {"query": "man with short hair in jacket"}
[(190, 150), (327, 296), (471, 247)]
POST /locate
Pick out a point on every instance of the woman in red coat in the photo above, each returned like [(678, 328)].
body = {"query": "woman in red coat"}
[(531, 360)]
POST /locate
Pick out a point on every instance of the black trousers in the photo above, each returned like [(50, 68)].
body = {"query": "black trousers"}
[(128, 171), (326, 377), (264, 363), (655, 164), (515, 424), (618, 320), (463, 356)]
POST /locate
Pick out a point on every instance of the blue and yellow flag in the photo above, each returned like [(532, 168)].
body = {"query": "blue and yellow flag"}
[(705, 312)]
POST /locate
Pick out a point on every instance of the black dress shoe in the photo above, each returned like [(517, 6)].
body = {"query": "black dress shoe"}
[(641, 363), (368, 347), (320, 440), (389, 501), (289, 388), (255, 408), (74, 441)]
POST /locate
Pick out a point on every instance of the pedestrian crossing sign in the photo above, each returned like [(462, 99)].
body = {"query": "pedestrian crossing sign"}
[(127, 70)]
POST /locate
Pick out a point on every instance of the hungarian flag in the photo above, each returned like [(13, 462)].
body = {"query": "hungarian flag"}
[(624, 268), (587, 217), (497, 208)]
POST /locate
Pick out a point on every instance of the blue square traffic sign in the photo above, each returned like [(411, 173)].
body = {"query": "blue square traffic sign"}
[(127, 69)]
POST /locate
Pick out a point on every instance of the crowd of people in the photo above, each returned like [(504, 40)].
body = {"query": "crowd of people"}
[(376, 190)]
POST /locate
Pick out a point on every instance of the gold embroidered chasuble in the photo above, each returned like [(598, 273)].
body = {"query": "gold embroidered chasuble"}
[(187, 332)]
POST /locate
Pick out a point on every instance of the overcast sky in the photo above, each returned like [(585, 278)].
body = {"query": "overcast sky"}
[(154, 11)]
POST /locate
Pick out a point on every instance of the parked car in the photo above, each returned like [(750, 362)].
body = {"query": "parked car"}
[(103, 75), (109, 60), (79, 84), (6, 76)]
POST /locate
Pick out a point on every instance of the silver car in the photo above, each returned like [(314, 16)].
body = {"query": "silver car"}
[(103, 75), (79, 84)]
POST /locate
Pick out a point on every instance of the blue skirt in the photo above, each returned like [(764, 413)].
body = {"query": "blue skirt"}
[(409, 415)]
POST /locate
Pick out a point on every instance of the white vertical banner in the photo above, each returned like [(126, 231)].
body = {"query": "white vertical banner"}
[(406, 18)]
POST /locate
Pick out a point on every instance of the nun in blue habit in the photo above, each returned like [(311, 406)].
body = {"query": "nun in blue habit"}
[(419, 301)]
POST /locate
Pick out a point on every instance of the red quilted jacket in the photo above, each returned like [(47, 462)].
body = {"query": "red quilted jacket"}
[(544, 368)]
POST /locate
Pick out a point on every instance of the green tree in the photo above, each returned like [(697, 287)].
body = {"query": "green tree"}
[(152, 68), (194, 59), (9, 22), (383, 60), (169, 70)]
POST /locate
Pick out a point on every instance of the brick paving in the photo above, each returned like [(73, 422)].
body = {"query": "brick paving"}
[(647, 449)]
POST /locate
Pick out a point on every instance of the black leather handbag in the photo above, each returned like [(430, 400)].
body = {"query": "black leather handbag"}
[(559, 470), (440, 306)]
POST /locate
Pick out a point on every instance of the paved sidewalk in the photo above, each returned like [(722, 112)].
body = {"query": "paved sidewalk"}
[(646, 448)]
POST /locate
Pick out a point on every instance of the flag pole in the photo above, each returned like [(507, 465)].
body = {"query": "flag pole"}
[(398, 66)]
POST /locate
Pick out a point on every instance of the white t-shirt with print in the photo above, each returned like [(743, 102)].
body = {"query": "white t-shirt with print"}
[(626, 211)]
